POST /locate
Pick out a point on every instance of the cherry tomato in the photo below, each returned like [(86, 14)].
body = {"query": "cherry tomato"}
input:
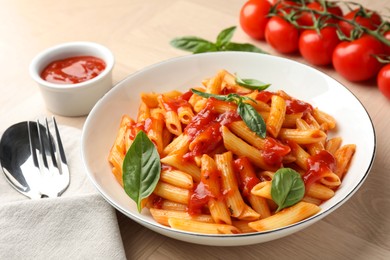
[(387, 47), (253, 18), (355, 60), (307, 18), (317, 48), (383, 80), (372, 21), (282, 35)]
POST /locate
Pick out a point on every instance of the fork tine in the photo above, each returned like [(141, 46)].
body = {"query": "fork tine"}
[(32, 145), (42, 150), (51, 149), (59, 142)]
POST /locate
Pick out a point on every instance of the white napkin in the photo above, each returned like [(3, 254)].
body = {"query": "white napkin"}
[(78, 225)]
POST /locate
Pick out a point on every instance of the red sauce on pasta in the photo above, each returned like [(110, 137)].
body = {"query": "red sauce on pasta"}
[(319, 164), (246, 181), (173, 104), (264, 96), (200, 196), (297, 106), (73, 70), (274, 152), (207, 124)]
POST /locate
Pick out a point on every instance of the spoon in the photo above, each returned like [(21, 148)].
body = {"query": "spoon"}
[(16, 160)]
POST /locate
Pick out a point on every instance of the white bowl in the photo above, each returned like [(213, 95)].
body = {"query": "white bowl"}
[(298, 80), (73, 99)]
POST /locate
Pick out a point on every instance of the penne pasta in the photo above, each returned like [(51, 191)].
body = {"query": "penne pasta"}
[(218, 166), (286, 217)]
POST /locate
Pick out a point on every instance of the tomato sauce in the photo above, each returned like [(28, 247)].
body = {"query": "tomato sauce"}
[(274, 152), (202, 193), (208, 123), (73, 70), (246, 181), (199, 198), (264, 96), (297, 106), (318, 165), (173, 104)]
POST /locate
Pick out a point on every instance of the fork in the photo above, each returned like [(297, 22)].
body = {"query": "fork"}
[(49, 158)]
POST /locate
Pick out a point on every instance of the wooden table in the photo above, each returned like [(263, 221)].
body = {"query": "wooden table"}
[(138, 33)]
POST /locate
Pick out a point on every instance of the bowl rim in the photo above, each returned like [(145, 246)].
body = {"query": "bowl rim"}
[(106, 55), (156, 225)]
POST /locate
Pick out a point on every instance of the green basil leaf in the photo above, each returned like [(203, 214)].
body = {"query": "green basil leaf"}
[(232, 46), (225, 36), (193, 44), (208, 95), (252, 119), (252, 84), (141, 169), (287, 188)]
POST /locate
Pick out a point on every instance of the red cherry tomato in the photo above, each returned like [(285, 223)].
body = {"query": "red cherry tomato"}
[(372, 21), (282, 35), (387, 47), (253, 18), (355, 60), (307, 18), (317, 48), (383, 80)]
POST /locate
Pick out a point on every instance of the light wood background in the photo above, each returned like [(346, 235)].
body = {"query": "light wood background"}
[(138, 33)]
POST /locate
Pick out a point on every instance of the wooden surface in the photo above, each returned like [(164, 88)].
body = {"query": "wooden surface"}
[(138, 33)]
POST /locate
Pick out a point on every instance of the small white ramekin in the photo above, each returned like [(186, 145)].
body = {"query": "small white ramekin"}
[(73, 99)]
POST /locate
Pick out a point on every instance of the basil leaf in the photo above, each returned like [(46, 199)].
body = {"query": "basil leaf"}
[(232, 46), (252, 119), (287, 188), (198, 45), (208, 95), (253, 84), (225, 36), (141, 169), (193, 44)]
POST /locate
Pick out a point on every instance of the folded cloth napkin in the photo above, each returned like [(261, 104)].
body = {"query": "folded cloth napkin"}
[(78, 225)]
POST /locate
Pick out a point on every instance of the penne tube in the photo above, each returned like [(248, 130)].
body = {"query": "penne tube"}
[(331, 180), (263, 189), (210, 177), (202, 227), (189, 167), (309, 136), (249, 214), (276, 115), (177, 178), (213, 86), (243, 226), (171, 205), (326, 121), (319, 191), (173, 123), (301, 156), (162, 216), (154, 132), (285, 217), (233, 197), (242, 149), (150, 99), (333, 144), (343, 158), (173, 193), (179, 145), (312, 200), (185, 114), (143, 112), (247, 180)]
